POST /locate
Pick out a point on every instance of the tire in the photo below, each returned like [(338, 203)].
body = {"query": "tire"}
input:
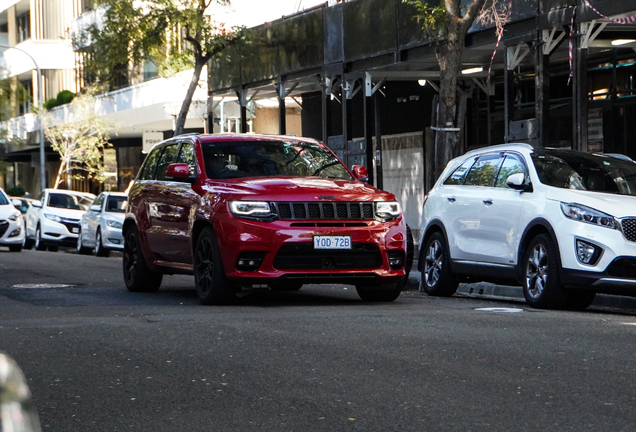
[(100, 250), (410, 253), (579, 300), (541, 285), (437, 278), (81, 249), (15, 248), (137, 276), (39, 244), (53, 248), (379, 293), (27, 243), (210, 281)]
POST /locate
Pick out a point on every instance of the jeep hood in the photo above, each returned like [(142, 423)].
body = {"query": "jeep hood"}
[(299, 189)]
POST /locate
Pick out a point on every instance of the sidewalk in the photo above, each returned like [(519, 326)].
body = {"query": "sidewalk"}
[(485, 290)]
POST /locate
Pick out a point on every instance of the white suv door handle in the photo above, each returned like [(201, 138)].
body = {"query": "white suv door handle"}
[(451, 199), (488, 201)]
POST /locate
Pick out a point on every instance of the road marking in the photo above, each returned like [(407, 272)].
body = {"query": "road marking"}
[(500, 310), (43, 285)]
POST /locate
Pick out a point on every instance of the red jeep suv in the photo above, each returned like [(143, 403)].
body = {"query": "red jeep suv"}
[(254, 211)]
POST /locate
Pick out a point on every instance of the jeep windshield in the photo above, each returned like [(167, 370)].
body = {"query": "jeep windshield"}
[(239, 159), (592, 172)]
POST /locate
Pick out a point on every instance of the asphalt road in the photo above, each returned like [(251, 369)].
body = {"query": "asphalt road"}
[(98, 358)]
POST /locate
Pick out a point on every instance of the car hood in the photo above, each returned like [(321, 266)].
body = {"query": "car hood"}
[(299, 189), (7, 210), (616, 205), (67, 213)]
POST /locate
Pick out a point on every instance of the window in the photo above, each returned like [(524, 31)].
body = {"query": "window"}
[(483, 171), (167, 157), (186, 155), (24, 101), (511, 166), (116, 204), (458, 176), (24, 26), (99, 201), (150, 165)]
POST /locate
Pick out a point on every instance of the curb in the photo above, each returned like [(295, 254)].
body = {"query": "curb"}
[(489, 291)]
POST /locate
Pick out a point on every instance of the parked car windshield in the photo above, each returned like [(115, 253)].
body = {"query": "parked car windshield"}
[(116, 204), (237, 159), (3, 199), (67, 201), (585, 171)]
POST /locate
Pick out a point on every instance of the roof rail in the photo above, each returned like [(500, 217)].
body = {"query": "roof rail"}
[(187, 134)]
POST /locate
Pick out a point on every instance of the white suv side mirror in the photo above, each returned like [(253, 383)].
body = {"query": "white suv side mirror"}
[(517, 182)]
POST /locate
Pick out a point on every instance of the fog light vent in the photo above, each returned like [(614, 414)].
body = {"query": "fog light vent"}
[(249, 261), (587, 253), (396, 259)]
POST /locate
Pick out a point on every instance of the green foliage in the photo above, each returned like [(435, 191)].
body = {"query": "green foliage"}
[(80, 142), (63, 97), (16, 191), (12, 93), (430, 17)]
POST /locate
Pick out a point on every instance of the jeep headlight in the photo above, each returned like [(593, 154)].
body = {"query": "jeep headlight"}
[(388, 210), (589, 215), (251, 209)]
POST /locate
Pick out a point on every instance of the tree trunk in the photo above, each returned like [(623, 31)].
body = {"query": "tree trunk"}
[(187, 100)]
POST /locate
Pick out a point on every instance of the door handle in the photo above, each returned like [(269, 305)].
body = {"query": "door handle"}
[(488, 201), (451, 199)]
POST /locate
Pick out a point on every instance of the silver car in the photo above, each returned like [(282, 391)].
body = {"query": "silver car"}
[(100, 227)]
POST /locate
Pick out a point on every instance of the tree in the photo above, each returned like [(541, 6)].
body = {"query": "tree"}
[(447, 25), (135, 31), (80, 141)]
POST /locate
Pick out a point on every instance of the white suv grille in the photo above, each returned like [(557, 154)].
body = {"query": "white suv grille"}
[(629, 228)]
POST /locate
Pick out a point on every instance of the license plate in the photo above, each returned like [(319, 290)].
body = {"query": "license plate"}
[(75, 230), (332, 242)]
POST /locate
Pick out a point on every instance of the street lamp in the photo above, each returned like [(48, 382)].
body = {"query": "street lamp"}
[(40, 108)]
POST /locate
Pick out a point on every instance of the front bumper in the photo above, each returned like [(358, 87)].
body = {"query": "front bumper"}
[(112, 238), (283, 251), (64, 234), (11, 232)]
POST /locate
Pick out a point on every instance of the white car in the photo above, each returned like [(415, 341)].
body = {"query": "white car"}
[(53, 219), (559, 222), (100, 227), (11, 224)]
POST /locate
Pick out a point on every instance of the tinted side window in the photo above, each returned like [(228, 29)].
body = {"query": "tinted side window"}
[(99, 201), (483, 171), (148, 170), (167, 157), (186, 155), (511, 166), (458, 176)]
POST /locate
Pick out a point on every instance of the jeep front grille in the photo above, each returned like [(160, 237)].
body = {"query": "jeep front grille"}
[(327, 210)]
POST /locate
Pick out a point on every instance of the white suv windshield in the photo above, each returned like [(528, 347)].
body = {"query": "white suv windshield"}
[(585, 171)]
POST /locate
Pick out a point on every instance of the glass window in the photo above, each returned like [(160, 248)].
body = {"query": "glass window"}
[(116, 204), (271, 158), (167, 157), (510, 166), (458, 176), (483, 171), (186, 155), (99, 200), (24, 26), (150, 165), (3, 199)]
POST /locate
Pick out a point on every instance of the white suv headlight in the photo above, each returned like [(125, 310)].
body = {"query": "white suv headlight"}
[(15, 216), (388, 210), (251, 209), (589, 215), (53, 217)]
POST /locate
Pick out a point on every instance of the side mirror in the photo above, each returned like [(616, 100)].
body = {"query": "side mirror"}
[(95, 208), (517, 182), (360, 173), (179, 172), (37, 204), (16, 203)]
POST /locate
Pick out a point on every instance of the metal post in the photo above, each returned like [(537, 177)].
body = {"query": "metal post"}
[(40, 108), (542, 93)]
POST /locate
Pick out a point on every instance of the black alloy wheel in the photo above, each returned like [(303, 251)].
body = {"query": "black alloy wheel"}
[(437, 278), (213, 287), (137, 276)]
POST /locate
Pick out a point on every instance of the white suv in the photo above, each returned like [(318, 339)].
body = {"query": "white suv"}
[(561, 223), (53, 219)]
